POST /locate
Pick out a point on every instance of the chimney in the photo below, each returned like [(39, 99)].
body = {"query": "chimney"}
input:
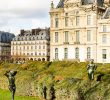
[(22, 32)]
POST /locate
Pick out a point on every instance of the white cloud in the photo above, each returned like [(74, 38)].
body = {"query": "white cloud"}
[(23, 14)]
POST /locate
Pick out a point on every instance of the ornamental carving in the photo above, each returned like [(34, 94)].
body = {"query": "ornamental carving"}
[(71, 5)]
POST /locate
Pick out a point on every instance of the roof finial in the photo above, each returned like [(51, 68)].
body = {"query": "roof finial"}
[(52, 4)]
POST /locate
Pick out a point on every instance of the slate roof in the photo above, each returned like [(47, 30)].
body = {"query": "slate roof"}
[(60, 4), (6, 37), (107, 13), (87, 1)]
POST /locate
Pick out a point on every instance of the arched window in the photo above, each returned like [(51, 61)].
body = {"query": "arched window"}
[(43, 59), (39, 59), (88, 53), (77, 53)]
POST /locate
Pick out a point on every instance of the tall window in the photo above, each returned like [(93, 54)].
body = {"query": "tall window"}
[(27, 47), (39, 47), (88, 19), (104, 38), (43, 47), (35, 47), (88, 53), (77, 20), (104, 28), (77, 53), (24, 47), (77, 36), (65, 53), (56, 53), (31, 47), (66, 36), (66, 19), (56, 21), (56, 37), (104, 55), (88, 35)]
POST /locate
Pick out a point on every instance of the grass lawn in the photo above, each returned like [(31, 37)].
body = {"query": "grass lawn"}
[(5, 95)]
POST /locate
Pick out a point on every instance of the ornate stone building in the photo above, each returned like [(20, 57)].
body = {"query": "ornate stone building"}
[(5, 45), (31, 45), (80, 30)]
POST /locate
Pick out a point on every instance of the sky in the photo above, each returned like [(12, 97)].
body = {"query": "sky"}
[(24, 14)]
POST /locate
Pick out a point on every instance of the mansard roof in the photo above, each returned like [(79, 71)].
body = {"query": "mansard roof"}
[(60, 4), (35, 34), (6, 37), (107, 13), (84, 2)]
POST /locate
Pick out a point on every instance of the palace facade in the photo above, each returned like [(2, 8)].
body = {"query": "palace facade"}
[(80, 30), (31, 45)]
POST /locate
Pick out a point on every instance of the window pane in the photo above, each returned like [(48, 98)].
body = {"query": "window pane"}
[(88, 35), (88, 53), (56, 36), (77, 53), (56, 53), (77, 36), (104, 38), (66, 19), (66, 36), (77, 20), (66, 53), (89, 20), (56, 21), (104, 28), (104, 55)]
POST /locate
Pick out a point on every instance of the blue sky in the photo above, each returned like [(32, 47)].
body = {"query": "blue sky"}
[(24, 14)]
